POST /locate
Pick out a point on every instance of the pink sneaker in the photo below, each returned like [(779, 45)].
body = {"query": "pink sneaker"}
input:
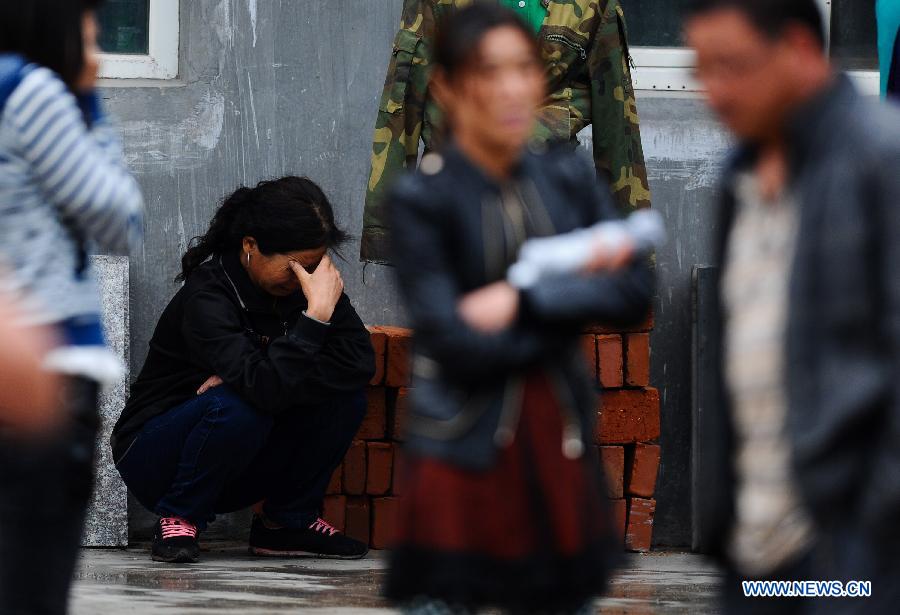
[(175, 541)]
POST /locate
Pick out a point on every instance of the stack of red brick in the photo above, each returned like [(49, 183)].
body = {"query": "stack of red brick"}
[(363, 492)]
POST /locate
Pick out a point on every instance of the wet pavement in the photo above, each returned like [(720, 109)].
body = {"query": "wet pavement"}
[(228, 580)]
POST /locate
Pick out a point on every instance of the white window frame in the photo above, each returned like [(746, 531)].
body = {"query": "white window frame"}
[(664, 69), (671, 69), (162, 60)]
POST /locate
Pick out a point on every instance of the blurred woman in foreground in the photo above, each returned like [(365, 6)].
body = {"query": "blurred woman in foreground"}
[(503, 496), (64, 192)]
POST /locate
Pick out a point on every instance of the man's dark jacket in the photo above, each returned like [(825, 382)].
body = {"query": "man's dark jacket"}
[(843, 330), (264, 348)]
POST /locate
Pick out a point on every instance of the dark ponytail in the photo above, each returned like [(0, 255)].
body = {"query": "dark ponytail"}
[(283, 215)]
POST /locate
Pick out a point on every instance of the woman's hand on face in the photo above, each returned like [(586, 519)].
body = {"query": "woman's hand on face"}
[(490, 309), (211, 383), (322, 288)]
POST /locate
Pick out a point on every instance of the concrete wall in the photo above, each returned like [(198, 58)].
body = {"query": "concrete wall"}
[(685, 149), (270, 87)]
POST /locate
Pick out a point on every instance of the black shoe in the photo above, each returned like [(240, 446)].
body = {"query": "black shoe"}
[(175, 541), (320, 539)]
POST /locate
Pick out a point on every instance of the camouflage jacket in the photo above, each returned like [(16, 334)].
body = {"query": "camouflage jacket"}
[(584, 45)]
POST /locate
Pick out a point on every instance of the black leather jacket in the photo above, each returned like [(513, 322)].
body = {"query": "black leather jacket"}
[(449, 238)]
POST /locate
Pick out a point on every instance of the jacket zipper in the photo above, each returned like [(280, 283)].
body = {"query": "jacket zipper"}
[(509, 415), (559, 38), (284, 323), (573, 442), (233, 286)]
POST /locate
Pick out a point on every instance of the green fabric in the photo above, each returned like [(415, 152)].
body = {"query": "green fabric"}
[(888, 27), (533, 12)]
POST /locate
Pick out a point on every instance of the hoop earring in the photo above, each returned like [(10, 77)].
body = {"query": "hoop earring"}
[(248, 259)]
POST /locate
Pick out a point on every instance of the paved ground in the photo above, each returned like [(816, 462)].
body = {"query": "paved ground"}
[(230, 581)]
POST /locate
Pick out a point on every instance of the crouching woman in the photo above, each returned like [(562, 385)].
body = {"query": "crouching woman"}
[(254, 384)]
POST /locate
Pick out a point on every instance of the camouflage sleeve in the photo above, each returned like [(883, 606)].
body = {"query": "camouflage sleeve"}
[(614, 116), (399, 124)]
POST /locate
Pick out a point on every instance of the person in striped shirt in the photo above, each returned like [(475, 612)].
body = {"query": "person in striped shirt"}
[(64, 192)]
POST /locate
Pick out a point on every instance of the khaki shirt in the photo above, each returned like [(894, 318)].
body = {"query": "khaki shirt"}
[(771, 525)]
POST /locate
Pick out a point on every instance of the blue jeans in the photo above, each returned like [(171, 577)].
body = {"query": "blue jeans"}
[(217, 454)]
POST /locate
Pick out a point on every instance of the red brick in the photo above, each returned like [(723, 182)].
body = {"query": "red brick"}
[(642, 468), (637, 353), (380, 468), (374, 424), (334, 511), (639, 533), (613, 460), (379, 344), (609, 351), (589, 344), (355, 469), (357, 519), (399, 354), (628, 415), (620, 516), (600, 328), (384, 522), (400, 414), (336, 485)]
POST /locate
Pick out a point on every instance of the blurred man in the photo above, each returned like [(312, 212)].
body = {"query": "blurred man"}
[(810, 305)]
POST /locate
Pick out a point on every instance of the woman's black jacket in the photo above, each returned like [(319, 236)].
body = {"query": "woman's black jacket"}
[(449, 238), (264, 348)]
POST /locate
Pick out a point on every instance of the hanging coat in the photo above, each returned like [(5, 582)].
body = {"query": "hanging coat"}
[(584, 46)]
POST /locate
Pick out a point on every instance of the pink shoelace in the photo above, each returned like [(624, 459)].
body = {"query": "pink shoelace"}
[(176, 527), (322, 526)]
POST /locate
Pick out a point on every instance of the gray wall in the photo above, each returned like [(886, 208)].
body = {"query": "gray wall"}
[(684, 149), (293, 88)]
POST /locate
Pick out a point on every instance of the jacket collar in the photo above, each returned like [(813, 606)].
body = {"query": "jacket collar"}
[(807, 132), (250, 297), (808, 128), (460, 162), (816, 122)]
